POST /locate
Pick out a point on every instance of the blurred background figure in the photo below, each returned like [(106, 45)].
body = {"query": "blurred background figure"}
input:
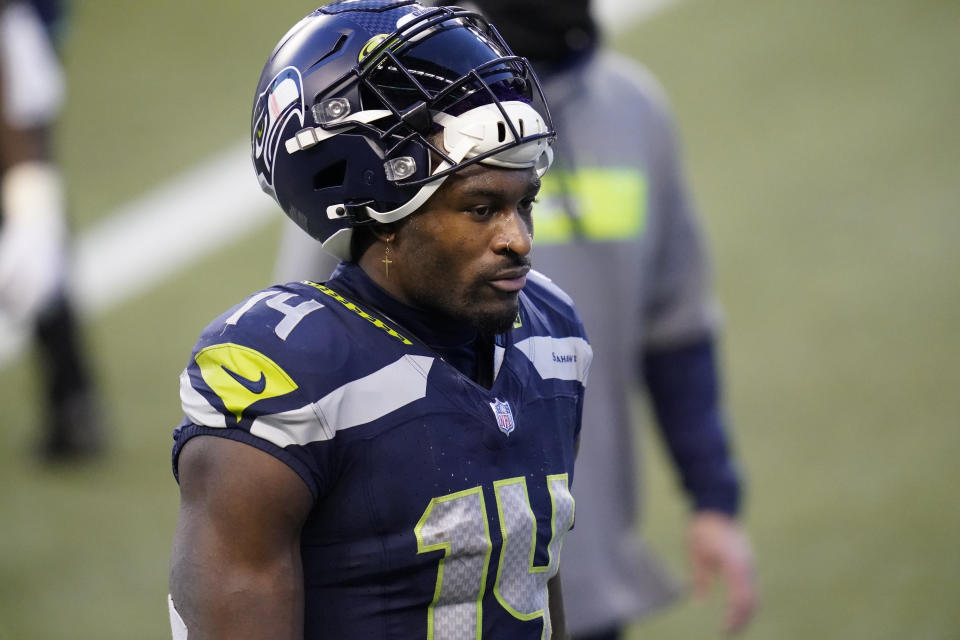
[(616, 227), (33, 227)]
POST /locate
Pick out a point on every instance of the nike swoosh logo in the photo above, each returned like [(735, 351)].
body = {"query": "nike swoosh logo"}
[(253, 386)]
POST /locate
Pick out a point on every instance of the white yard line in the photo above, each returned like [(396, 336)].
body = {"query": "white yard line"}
[(148, 240), (207, 207)]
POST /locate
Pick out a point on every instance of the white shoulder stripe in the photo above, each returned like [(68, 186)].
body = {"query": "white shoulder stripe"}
[(374, 396), (298, 426), (196, 407), (355, 403), (561, 358)]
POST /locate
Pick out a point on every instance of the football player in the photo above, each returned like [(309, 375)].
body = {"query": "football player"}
[(389, 453), (33, 228)]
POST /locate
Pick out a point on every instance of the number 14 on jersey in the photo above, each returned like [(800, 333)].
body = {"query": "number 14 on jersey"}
[(457, 524)]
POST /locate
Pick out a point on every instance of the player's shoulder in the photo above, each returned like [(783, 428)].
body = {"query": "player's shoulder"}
[(550, 333), (548, 309), (274, 318), (272, 357), (305, 330)]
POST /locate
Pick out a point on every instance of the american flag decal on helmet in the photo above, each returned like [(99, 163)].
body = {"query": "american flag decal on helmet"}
[(504, 416)]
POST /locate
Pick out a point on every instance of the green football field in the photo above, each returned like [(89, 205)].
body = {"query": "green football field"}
[(823, 148)]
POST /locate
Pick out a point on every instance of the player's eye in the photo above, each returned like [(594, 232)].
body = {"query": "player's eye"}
[(482, 211)]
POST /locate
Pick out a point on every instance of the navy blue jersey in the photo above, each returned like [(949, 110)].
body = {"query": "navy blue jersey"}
[(440, 505)]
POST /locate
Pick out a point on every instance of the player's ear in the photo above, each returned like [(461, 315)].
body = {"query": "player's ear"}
[(364, 237), (384, 232), (388, 232)]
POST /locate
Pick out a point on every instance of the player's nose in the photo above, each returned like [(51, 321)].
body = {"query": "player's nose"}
[(514, 234)]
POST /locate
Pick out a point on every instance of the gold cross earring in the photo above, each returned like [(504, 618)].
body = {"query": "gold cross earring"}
[(386, 259)]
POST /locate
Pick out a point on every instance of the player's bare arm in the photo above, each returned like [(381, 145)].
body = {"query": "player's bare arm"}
[(236, 570)]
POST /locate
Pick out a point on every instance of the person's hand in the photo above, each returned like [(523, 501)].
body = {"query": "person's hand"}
[(719, 547)]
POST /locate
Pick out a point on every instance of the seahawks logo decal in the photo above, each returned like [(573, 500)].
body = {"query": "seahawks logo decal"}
[(280, 103)]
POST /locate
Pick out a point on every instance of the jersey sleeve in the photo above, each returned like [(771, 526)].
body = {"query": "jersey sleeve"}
[(252, 377)]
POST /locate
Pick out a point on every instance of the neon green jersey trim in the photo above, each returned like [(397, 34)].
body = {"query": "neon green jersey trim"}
[(377, 322)]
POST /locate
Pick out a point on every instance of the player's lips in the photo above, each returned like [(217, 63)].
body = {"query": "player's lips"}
[(511, 280)]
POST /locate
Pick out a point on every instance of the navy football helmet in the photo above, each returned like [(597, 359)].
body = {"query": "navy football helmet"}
[(365, 106)]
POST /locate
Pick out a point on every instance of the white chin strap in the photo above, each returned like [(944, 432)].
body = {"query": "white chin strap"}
[(478, 131)]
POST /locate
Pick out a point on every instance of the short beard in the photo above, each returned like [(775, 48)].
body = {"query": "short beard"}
[(486, 324), (457, 306), (494, 324)]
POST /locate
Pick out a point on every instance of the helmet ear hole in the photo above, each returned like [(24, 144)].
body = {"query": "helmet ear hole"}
[(331, 176)]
